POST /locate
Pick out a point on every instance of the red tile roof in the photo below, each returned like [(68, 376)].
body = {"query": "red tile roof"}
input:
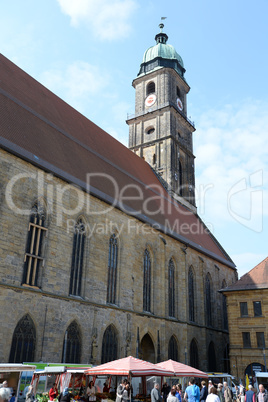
[(256, 278), (41, 128)]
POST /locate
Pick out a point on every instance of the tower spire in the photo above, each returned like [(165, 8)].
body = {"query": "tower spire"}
[(161, 37)]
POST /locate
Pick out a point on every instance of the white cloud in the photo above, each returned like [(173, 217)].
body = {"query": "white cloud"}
[(78, 84), (232, 159), (246, 261), (108, 19)]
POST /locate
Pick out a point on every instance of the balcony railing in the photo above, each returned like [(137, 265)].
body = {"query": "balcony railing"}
[(157, 107)]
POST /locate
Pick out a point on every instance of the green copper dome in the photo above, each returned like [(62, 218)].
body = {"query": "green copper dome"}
[(161, 55)]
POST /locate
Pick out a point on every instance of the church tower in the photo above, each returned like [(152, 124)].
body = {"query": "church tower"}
[(160, 131)]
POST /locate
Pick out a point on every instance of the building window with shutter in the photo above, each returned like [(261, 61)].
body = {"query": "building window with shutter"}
[(77, 258), (260, 340), (257, 309), (244, 309), (112, 270), (246, 340), (33, 259)]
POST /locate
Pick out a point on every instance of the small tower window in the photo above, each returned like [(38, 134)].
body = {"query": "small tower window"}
[(150, 130), (178, 92), (150, 88)]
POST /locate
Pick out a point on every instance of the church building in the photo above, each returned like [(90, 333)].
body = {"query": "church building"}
[(102, 252)]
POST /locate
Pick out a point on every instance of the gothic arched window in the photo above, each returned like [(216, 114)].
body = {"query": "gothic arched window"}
[(224, 308), (150, 88), (208, 301), (77, 258), (173, 349), (109, 345), (171, 288), (33, 259), (194, 359), (23, 341), (147, 281), (112, 270), (180, 179), (191, 297), (212, 366), (71, 352)]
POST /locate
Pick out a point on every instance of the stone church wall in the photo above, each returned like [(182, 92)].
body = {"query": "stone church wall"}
[(50, 306)]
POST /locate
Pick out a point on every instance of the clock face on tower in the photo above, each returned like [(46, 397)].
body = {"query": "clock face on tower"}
[(150, 100), (179, 104)]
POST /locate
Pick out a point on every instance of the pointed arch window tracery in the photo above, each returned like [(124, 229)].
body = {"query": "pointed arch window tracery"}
[(191, 295), (34, 258), (112, 270), (208, 301), (23, 341), (71, 352), (173, 349), (77, 258), (171, 288), (109, 345), (147, 281)]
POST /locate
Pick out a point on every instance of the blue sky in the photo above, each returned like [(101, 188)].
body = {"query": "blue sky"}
[(89, 51)]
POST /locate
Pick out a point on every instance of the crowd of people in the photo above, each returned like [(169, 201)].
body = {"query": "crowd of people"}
[(212, 393)]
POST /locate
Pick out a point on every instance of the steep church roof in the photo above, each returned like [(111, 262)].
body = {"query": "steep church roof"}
[(39, 127), (256, 278)]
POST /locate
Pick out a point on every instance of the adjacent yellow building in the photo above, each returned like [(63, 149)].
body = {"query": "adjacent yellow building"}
[(247, 306)]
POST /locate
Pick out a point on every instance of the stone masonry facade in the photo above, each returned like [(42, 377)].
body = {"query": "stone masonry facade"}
[(51, 307), (241, 355)]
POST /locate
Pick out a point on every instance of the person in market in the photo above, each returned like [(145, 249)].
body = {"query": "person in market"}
[(105, 387), (192, 392), (203, 392), (53, 392), (29, 394), (65, 396), (262, 395), (91, 391), (213, 395), (165, 391), (227, 393), (242, 393), (120, 390), (4, 394), (219, 392), (172, 396), (177, 393), (250, 395), (209, 385), (155, 393), (13, 397), (126, 396)]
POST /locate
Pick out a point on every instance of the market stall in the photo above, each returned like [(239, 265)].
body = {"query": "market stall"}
[(136, 370), (72, 377), (181, 370), (12, 373)]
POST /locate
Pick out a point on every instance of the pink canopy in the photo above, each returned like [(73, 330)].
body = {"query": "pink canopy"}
[(181, 370), (129, 366)]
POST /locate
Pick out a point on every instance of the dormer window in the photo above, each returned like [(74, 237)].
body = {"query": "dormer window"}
[(150, 88)]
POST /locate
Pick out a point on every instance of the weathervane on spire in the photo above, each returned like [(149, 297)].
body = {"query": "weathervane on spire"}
[(161, 26)]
